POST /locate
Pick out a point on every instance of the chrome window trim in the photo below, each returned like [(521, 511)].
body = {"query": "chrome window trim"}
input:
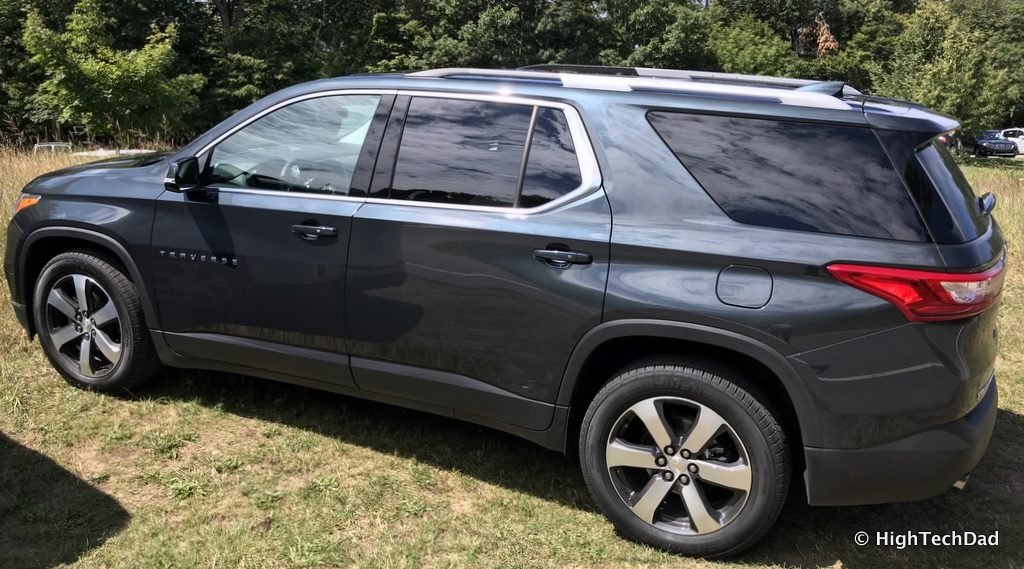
[(286, 193), (590, 172)]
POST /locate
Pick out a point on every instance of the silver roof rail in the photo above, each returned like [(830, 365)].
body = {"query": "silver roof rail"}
[(447, 72), (682, 82), (685, 75)]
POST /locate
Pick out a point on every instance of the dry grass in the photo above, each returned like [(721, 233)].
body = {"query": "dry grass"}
[(214, 470)]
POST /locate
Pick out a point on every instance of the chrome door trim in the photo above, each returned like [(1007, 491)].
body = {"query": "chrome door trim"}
[(590, 172)]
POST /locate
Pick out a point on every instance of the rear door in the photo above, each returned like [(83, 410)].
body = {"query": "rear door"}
[(250, 269), (480, 258)]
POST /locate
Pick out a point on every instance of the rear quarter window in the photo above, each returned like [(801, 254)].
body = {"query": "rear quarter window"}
[(796, 176)]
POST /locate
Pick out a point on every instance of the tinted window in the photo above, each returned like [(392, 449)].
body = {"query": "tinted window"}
[(552, 169), (809, 177), (461, 152), (955, 190), (309, 146)]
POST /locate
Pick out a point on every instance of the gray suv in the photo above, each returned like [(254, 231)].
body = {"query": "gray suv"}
[(712, 287)]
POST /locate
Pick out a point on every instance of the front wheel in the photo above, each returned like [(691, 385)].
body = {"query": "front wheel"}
[(680, 457), (90, 324)]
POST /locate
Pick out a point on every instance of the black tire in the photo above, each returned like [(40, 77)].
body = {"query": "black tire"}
[(137, 361), (761, 438)]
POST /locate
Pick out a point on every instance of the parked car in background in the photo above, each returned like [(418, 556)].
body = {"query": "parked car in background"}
[(989, 143), (1017, 136)]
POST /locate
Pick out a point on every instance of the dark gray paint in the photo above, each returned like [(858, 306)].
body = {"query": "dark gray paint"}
[(459, 293), (284, 289), (746, 287), (461, 290)]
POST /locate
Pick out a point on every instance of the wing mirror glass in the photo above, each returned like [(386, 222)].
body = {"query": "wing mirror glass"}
[(183, 175)]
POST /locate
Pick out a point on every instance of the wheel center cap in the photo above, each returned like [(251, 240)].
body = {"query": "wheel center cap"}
[(677, 464)]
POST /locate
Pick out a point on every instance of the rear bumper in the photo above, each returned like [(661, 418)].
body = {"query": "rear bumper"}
[(918, 466)]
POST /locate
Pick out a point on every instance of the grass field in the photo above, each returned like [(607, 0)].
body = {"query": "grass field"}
[(216, 470)]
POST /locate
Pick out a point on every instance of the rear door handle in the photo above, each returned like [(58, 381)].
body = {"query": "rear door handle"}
[(561, 259), (314, 232)]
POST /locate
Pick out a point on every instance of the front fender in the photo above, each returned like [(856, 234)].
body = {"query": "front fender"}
[(97, 238)]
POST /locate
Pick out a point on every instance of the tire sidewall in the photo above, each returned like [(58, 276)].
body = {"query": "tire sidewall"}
[(761, 507), (75, 263)]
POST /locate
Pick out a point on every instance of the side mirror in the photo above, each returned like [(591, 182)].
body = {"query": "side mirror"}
[(183, 175)]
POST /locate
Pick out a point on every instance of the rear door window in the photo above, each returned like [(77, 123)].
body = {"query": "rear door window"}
[(552, 169), (797, 176), (465, 152), (461, 152)]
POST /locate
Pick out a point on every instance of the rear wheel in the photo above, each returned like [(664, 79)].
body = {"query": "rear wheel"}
[(90, 324), (680, 457)]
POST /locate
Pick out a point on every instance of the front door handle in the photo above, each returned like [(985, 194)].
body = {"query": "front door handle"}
[(314, 232), (561, 258)]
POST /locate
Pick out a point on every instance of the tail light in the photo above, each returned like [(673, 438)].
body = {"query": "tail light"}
[(926, 296)]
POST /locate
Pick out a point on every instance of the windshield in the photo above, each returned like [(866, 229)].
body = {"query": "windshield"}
[(990, 134)]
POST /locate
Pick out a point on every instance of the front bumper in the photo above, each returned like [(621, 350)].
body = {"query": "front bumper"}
[(998, 151), (918, 466)]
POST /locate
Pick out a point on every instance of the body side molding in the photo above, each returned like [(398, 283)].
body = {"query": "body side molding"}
[(552, 437), (463, 395)]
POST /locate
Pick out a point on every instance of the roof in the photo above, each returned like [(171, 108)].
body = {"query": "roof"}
[(796, 92), (752, 96)]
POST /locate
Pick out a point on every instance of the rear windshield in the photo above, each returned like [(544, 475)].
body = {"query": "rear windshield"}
[(949, 182), (790, 175)]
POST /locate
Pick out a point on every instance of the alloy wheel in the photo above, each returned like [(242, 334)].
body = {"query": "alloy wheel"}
[(83, 325), (678, 465)]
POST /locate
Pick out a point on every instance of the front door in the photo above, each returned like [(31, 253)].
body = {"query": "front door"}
[(480, 259), (251, 268)]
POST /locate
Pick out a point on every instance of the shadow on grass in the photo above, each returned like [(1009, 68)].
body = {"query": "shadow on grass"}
[(482, 453), (49, 516), (803, 536)]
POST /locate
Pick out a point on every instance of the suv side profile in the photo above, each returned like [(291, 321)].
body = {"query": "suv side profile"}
[(584, 257)]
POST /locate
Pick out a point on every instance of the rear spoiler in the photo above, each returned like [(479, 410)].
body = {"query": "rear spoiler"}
[(896, 114)]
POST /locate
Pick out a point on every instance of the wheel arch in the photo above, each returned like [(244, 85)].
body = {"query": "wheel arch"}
[(44, 243), (611, 345)]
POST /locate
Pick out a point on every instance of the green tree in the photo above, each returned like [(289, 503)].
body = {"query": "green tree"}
[(665, 34), (19, 77), (1002, 22), (749, 45), (940, 62), (572, 31), (781, 17), (106, 90)]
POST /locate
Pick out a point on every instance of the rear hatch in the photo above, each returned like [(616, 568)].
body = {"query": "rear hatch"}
[(958, 221), (967, 237)]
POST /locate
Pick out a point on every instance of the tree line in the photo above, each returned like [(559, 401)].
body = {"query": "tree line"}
[(124, 70)]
